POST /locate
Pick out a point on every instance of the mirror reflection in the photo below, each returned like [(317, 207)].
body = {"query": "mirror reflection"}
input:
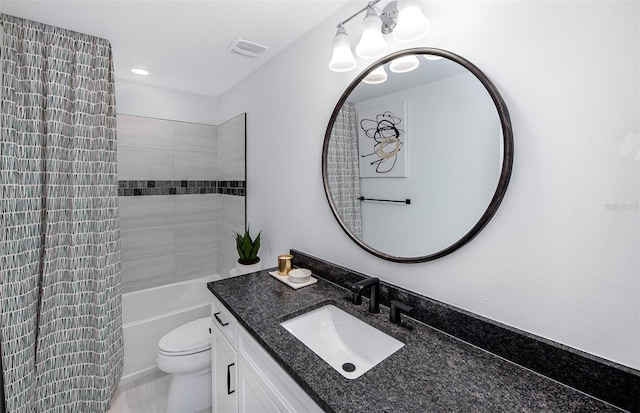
[(414, 160)]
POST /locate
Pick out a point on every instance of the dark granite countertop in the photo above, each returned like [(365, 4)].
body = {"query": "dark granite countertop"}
[(432, 372)]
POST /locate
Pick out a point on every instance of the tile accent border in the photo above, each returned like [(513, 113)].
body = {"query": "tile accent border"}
[(600, 378), (146, 188)]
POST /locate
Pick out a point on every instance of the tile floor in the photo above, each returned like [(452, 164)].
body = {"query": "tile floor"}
[(147, 394)]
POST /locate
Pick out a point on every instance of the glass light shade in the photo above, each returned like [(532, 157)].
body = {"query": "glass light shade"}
[(371, 44), (404, 64), (412, 24), (342, 59), (377, 76), (432, 57)]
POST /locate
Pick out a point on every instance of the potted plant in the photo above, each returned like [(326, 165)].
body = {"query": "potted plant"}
[(248, 260)]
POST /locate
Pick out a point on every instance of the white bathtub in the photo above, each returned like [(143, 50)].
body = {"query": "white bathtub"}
[(149, 314)]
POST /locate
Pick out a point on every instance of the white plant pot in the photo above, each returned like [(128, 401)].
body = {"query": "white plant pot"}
[(246, 269)]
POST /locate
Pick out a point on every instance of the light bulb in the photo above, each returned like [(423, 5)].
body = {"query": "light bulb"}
[(371, 44), (342, 59), (412, 24), (404, 64), (377, 76)]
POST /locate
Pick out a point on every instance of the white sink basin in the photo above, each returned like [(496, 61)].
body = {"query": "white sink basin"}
[(342, 340)]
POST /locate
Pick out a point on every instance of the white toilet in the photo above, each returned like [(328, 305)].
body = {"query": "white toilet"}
[(185, 353)]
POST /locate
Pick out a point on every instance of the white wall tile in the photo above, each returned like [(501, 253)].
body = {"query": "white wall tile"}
[(146, 211), (231, 149), (194, 137), (194, 166), (195, 208), (231, 212), (141, 273), (195, 236), (194, 264), (147, 133), (147, 241), (144, 164), (226, 261)]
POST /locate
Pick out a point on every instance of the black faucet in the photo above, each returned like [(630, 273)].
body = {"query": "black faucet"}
[(374, 285)]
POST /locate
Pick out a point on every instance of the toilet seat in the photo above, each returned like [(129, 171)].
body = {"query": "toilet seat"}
[(190, 338)]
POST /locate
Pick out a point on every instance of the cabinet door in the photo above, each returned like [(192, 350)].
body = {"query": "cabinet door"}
[(224, 367), (252, 397), (275, 386)]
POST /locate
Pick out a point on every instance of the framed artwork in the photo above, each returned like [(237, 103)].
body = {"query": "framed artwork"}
[(382, 141)]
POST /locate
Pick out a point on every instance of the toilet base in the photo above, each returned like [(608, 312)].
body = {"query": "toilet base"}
[(189, 393)]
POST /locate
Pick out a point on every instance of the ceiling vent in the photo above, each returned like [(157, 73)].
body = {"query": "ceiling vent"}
[(247, 48)]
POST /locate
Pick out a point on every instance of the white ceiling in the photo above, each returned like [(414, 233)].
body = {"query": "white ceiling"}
[(183, 43)]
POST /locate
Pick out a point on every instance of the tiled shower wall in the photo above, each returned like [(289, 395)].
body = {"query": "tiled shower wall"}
[(175, 200), (230, 206)]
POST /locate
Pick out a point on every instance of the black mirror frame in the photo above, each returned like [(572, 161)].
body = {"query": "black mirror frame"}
[(507, 161)]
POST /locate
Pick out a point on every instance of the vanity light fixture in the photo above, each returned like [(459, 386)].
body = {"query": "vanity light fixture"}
[(404, 64), (403, 16), (342, 59), (371, 45), (412, 24), (140, 72), (379, 75)]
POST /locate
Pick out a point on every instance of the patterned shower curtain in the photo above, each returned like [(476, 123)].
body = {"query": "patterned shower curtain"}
[(60, 292), (343, 173)]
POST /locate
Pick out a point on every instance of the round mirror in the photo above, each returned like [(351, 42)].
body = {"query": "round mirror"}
[(417, 155)]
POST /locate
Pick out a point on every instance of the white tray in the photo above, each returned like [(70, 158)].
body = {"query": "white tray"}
[(285, 279)]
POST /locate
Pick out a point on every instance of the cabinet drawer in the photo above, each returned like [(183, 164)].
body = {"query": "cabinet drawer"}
[(224, 321)]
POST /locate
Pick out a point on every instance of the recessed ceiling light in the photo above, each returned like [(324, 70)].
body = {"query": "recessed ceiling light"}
[(140, 72)]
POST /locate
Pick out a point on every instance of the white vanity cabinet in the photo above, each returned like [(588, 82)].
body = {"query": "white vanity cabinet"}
[(245, 377)]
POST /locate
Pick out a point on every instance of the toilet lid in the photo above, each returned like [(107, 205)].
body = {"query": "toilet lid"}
[(189, 338)]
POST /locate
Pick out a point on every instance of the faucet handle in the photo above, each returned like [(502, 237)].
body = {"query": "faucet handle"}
[(397, 308)]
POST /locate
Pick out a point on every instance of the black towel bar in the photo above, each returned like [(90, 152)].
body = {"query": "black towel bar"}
[(406, 201)]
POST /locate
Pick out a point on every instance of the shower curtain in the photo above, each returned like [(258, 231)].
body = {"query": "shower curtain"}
[(343, 173), (60, 292)]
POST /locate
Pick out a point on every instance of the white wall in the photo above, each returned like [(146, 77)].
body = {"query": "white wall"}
[(561, 257), (133, 98)]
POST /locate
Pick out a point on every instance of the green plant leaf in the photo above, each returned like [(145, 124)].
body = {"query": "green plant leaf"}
[(247, 248)]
